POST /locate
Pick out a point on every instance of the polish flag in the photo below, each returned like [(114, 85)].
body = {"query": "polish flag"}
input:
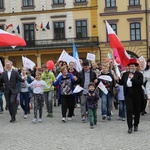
[(10, 25), (41, 26), (8, 39), (115, 43)]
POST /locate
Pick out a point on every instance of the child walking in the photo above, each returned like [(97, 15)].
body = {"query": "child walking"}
[(92, 104), (122, 105), (38, 90)]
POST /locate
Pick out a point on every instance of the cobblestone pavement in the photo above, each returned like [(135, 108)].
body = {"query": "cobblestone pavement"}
[(52, 134)]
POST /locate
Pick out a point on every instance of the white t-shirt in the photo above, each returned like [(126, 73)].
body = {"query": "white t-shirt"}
[(38, 86)]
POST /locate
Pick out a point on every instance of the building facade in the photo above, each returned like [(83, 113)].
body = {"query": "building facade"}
[(129, 20), (48, 27), (148, 23)]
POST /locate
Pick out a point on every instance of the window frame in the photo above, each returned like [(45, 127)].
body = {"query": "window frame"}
[(64, 37), (81, 1), (2, 1), (3, 26), (30, 41), (135, 30), (110, 4), (134, 3), (58, 3), (81, 28), (28, 3)]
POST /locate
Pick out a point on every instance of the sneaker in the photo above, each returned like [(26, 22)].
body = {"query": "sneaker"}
[(40, 120), (91, 127), (69, 118), (123, 119), (34, 120), (25, 116), (63, 119), (19, 107), (104, 117), (78, 105), (112, 113), (50, 115), (83, 118), (108, 118)]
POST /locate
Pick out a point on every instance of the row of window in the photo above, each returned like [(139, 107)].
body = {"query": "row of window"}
[(112, 3), (135, 31), (81, 31), (108, 3)]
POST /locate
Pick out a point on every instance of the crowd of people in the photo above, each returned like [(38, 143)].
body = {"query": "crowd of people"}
[(55, 87)]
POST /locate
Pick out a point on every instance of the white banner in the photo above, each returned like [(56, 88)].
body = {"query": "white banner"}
[(1, 67), (63, 56), (27, 63), (102, 87), (105, 77), (90, 57), (77, 89)]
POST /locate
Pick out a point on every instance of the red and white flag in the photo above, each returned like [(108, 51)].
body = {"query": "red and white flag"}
[(8, 39), (115, 43), (10, 25)]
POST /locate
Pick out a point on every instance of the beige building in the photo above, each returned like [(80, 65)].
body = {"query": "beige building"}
[(148, 23), (48, 27), (128, 19)]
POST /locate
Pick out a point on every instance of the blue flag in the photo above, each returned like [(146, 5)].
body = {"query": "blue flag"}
[(75, 52), (76, 56), (47, 26), (18, 29)]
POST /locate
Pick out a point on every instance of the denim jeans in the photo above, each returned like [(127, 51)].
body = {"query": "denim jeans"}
[(122, 109), (48, 96), (106, 104), (1, 104), (24, 100)]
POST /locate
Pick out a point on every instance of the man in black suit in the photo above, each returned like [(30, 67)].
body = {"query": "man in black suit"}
[(85, 76), (132, 81), (10, 79)]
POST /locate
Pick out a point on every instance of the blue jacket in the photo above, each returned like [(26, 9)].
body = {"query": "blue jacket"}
[(57, 83)]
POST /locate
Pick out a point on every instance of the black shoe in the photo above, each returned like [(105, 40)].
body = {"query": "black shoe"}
[(12, 120), (130, 130), (142, 113), (54, 104), (135, 128)]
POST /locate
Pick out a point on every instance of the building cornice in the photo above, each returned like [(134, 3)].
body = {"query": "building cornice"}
[(48, 11), (122, 13)]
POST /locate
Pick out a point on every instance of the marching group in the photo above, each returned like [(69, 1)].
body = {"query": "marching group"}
[(58, 84)]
